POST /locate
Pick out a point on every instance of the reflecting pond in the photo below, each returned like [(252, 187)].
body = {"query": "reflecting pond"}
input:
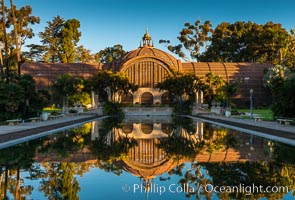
[(148, 158)]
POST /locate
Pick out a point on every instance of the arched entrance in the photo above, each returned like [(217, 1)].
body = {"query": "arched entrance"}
[(127, 99), (147, 128), (127, 128), (147, 98)]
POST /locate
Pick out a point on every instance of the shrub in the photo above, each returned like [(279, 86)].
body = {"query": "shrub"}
[(113, 109)]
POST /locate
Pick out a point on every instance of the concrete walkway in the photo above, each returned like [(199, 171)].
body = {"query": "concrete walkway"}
[(31, 125), (267, 129), (10, 135)]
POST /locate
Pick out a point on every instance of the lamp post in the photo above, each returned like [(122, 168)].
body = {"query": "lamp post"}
[(251, 102)]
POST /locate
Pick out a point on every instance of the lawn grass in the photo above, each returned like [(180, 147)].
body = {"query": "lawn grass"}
[(52, 110), (266, 113)]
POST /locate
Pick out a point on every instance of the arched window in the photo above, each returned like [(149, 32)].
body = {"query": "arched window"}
[(127, 128), (127, 99), (147, 98), (147, 128)]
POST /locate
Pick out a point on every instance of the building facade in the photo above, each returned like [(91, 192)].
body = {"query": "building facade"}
[(146, 66)]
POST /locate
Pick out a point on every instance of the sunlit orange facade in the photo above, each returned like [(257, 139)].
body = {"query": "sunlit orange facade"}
[(147, 65)]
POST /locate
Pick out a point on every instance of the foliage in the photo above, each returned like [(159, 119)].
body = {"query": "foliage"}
[(229, 89), (35, 53), (193, 37), (14, 37), (113, 109), (70, 36), (19, 155), (211, 89), (110, 54), (60, 182), (184, 108), (236, 42), (60, 39), (115, 85), (82, 97), (246, 42), (117, 149), (11, 97), (178, 147), (263, 174), (274, 75), (51, 39), (20, 98), (180, 86), (68, 85), (281, 84), (84, 55)]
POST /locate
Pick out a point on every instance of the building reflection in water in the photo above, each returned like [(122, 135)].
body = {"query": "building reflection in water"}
[(148, 159), (152, 149)]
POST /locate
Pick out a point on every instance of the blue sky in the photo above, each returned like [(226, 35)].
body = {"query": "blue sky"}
[(105, 23)]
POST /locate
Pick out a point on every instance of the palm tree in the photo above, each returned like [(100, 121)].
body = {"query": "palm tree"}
[(229, 90)]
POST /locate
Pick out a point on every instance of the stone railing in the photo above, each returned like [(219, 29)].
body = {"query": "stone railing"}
[(147, 111)]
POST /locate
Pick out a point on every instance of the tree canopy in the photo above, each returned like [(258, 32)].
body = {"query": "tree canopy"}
[(235, 42), (110, 54), (60, 39), (115, 85)]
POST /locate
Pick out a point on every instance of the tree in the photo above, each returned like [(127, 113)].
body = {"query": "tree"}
[(110, 54), (51, 38), (70, 36), (21, 20), (35, 53), (66, 86), (289, 52), (192, 38), (34, 101), (11, 97), (115, 85), (180, 86), (61, 182), (213, 83), (5, 39), (247, 42), (229, 90), (280, 81), (84, 55), (15, 35)]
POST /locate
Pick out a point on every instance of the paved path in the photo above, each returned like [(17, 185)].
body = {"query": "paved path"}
[(272, 130), (268, 129), (31, 125), (10, 135)]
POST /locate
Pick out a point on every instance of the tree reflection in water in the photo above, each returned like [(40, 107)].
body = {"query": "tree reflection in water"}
[(192, 152)]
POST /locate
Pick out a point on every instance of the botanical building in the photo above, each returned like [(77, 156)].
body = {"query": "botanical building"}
[(147, 65)]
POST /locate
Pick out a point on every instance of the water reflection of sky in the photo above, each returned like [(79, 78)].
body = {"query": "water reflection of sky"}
[(161, 152)]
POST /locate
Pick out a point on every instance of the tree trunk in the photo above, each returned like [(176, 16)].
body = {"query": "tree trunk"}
[(15, 37), (17, 187), (5, 41)]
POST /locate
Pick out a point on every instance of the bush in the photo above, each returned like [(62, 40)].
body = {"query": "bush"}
[(73, 111), (83, 97), (113, 109), (183, 108)]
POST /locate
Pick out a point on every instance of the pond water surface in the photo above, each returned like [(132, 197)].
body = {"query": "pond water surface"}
[(150, 158)]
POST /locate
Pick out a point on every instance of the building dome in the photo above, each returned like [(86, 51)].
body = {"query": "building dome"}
[(151, 52), (146, 66)]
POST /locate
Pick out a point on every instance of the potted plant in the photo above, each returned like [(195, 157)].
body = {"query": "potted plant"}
[(44, 116)]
